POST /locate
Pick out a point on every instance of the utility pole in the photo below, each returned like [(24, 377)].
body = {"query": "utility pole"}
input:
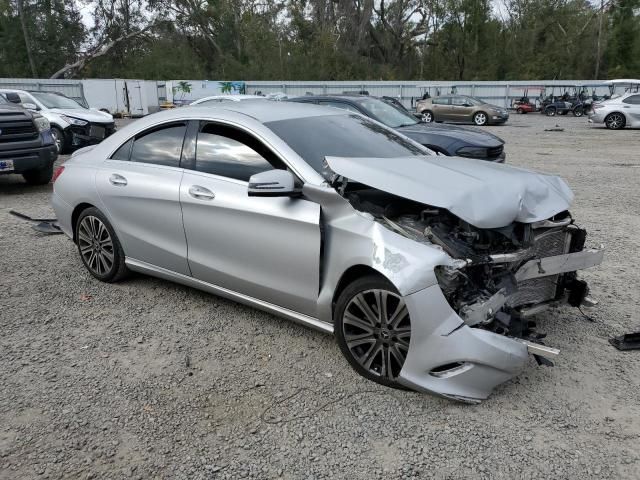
[(27, 41), (600, 15)]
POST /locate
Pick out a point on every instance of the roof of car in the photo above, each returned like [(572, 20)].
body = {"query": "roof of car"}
[(271, 111), (233, 98), (341, 96)]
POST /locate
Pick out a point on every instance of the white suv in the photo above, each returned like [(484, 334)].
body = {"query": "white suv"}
[(72, 125), (618, 112)]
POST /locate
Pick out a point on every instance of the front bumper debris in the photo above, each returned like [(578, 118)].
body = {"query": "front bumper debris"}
[(557, 264)]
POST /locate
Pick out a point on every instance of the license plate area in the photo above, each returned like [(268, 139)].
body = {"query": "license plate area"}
[(96, 131), (6, 165)]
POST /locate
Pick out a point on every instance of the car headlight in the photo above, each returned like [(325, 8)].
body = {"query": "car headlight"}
[(42, 123), (74, 121), (472, 152)]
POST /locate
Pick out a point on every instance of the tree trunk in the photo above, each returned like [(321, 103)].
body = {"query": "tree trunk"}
[(27, 40)]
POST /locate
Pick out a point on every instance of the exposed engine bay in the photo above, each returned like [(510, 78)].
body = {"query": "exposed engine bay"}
[(504, 275)]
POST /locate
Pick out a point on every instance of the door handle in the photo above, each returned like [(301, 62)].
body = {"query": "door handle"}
[(118, 180), (201, 193)]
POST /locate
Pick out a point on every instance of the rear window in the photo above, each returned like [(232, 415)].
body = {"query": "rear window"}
[(314, 138)]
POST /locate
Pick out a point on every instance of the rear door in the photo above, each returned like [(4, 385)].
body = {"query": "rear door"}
[(140, 186), (441, 108), (264, 247), (461, 109)]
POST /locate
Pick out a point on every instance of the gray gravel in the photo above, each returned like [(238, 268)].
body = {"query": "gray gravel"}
[(146, 379)]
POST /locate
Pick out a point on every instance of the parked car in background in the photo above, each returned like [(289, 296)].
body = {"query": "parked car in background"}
[(72, 125), (617, 112), (461, 109), (26, 144), (427, 269), (217, 99), (444, 139)]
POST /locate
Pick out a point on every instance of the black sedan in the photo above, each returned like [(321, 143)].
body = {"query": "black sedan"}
[(445, 139)]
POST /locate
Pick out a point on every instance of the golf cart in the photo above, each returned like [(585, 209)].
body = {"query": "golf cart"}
[(523, 104), (562, 99)]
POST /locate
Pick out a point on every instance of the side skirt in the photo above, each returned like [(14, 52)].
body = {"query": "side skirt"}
[(152, 270)]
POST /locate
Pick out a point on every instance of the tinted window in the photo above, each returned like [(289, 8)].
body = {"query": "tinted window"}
[(387, 114), (161, 146), (123, 152), (231, 153), (314, 138), (342, 105), (459, 101), (633, 99), (440, 101)]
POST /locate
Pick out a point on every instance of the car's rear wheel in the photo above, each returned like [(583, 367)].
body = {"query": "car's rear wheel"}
[(427, 116), (615, 121), (39, 177), (99, 247), (480, 118), (373, 329), (550, 111)]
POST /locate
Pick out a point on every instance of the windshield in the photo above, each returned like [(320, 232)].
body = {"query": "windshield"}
[(314, 138), (53, 100), (387, 114)]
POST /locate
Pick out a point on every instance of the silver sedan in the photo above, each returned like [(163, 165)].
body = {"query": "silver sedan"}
[(426, 268)]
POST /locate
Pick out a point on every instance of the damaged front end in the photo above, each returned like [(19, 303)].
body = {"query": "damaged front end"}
[(501, 277)]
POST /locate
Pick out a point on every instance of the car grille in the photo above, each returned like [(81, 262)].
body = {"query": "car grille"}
[(16, 127), (495, 152), (538, 290)]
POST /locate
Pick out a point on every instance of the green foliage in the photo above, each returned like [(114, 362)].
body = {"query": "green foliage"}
[(324, 39)]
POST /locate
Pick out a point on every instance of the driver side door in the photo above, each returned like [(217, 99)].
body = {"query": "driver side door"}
[(264, 247)]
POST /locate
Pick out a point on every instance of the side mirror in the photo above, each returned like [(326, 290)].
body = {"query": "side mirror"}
[(30, 106), (273, 183)]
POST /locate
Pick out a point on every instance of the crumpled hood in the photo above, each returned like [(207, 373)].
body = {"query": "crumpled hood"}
[(467, 135), (93, 116), (484, 194)]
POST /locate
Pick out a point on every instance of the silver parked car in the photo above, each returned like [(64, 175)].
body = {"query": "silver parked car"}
[(426, 268), (618, 112)]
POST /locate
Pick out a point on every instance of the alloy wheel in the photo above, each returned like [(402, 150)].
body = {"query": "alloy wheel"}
[(480, 118), (377, 331), (427, 117), (57, 140), (96, 245), (615, 121)]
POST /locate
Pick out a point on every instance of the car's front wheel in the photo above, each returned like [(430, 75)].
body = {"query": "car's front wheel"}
[(615, 121), (59, 139), (480, 118), (373, 329), (99, 247)]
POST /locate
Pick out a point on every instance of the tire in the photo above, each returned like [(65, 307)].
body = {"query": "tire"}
[(550, 111), (375, 349), (59, 139), (39, 177), (615, 121), (427, 116), (99, 247), (578, 111), (480, 119), (520, 111)]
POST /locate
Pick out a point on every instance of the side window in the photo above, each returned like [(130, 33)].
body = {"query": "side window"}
[(124, 151), (441, 101), (633, 100), (342, 105), (459, 101), (160, 146), (232, 153)]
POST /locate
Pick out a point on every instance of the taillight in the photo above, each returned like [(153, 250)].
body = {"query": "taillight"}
[(57, 173)]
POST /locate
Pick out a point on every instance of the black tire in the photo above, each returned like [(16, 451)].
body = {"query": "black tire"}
[(550, 111), (427, 116), (615, 121), (89, 244), (383, 346), (480, 119), (59, 139), (39, 177), (520, 111), (578, 111)]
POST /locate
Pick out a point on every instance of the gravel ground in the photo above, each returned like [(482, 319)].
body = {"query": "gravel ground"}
[(146, 379)]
